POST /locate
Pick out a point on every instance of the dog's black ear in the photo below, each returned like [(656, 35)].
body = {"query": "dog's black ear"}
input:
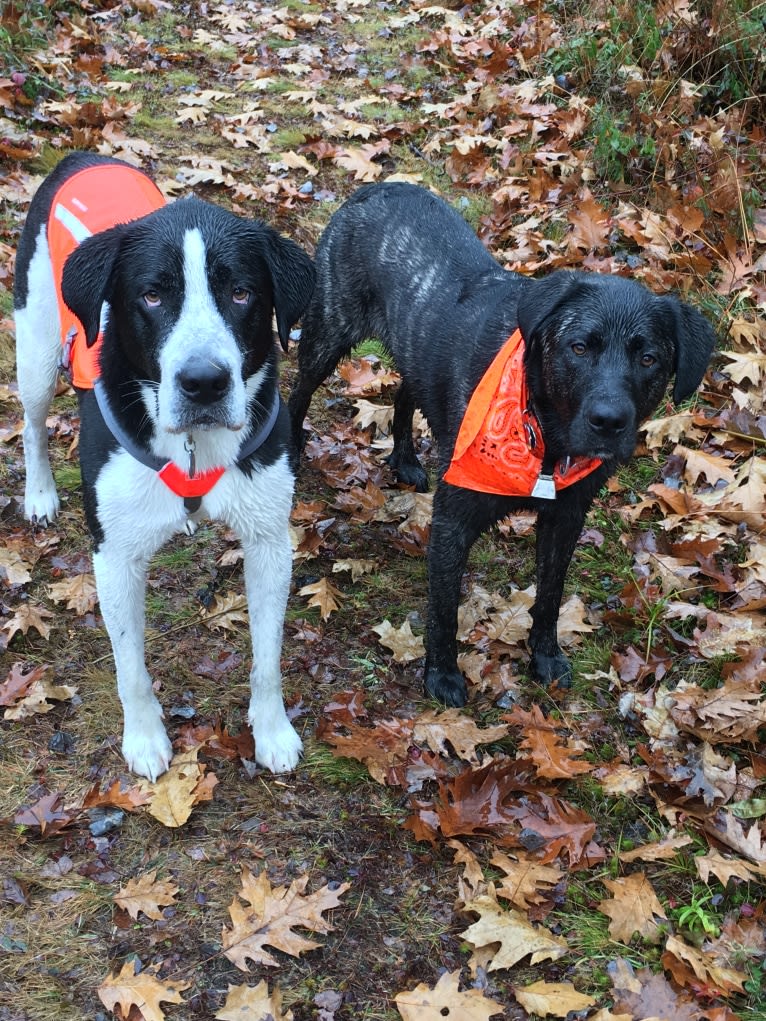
[(540, 298), (292, 277), (86, 278), (694, 339)]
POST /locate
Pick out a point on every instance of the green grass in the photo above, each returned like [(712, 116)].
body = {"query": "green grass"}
[(67, 475), (338, 771)]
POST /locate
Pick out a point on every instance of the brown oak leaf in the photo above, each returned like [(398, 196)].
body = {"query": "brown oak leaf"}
[(271, 914), (143, 991), (514, 934), (147, 894), (633, 907), (253, 1003), (446, 1000), (556, 998), (526, 881)]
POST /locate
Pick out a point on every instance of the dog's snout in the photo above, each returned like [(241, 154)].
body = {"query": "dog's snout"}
[(608, 418), (203, 381)]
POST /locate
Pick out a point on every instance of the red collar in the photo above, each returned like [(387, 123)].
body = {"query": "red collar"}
[(191, 485), (500, 446)]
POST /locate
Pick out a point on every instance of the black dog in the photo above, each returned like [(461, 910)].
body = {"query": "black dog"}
[(397, 263)]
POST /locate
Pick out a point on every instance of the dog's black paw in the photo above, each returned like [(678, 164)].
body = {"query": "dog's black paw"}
[(549, 670), (446, 686), (409, 471)]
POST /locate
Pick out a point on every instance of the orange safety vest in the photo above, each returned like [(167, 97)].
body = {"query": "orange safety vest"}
[(90, 201), (500, 446)]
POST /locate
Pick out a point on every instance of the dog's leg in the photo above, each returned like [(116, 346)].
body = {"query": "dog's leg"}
[(38, 348), (121, 582), (457, 522), (557, 533), (403, 458), (320, 349), (268, 564)]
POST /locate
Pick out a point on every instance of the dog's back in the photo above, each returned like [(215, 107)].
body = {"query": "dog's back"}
[(399, 264)]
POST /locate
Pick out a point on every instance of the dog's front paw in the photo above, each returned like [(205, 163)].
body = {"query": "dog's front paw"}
[(410, 472), (554, 669), (41, 505), (277, 746), (146, 747), (446, 686)]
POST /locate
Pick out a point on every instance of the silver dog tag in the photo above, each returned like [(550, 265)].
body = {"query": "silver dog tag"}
[(544, 488)]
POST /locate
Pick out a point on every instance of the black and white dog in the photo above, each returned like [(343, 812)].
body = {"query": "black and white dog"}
[(184, 419), (594, 354)]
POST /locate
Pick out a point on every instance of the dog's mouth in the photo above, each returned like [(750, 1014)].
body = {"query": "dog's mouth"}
[(204, 423)]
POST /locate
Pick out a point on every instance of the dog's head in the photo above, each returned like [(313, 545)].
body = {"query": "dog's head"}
[(189, 293), (600, 351)]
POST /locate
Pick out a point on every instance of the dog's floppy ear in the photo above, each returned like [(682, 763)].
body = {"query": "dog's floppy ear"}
[(86, 278), (540, 298), (694, 340), (292, 277)]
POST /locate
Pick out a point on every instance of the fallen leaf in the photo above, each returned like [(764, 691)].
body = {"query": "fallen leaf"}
[(26, 616), (38, 696), (177, 791), (146, 894), (382, 748), (357, 567), (270, 917), (633, 908), (451, 728), (48, 813), (19, 680), (719, 979), (79, 593), (445, 1000), (128, 799), (13, 567), (472, 878), (515, 936), (526, 881), (143, 991), (662, 850), (323, 595), (253, 1003), (227, 612), (556, 998), (725, 869), (554, 758)]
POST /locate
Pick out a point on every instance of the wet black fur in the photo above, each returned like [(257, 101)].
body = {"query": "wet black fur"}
[(397, 263)]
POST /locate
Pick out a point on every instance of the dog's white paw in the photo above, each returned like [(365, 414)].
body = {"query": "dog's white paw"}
[(146, 746), (277, 746), (41, 503)]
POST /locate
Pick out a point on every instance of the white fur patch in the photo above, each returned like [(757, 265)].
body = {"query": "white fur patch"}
[(38, 350), (200, 332)]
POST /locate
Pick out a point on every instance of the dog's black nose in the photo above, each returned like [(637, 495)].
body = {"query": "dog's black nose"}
[(607, 418), (203, 382)]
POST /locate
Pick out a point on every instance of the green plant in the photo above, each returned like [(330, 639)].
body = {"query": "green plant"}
[(695, 917)]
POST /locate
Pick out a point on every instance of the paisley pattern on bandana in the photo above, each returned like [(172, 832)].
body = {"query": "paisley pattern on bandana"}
[(500, 447)]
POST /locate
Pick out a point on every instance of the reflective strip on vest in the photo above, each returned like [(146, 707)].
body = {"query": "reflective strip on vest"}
[(92, 200)]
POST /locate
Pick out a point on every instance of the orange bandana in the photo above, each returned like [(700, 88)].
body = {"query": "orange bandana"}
[(500, 447), (90, 201)]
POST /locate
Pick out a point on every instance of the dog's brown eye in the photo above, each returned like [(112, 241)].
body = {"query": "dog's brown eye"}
[(579, 348), (152, 299), (647, 360), (240, 296)]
